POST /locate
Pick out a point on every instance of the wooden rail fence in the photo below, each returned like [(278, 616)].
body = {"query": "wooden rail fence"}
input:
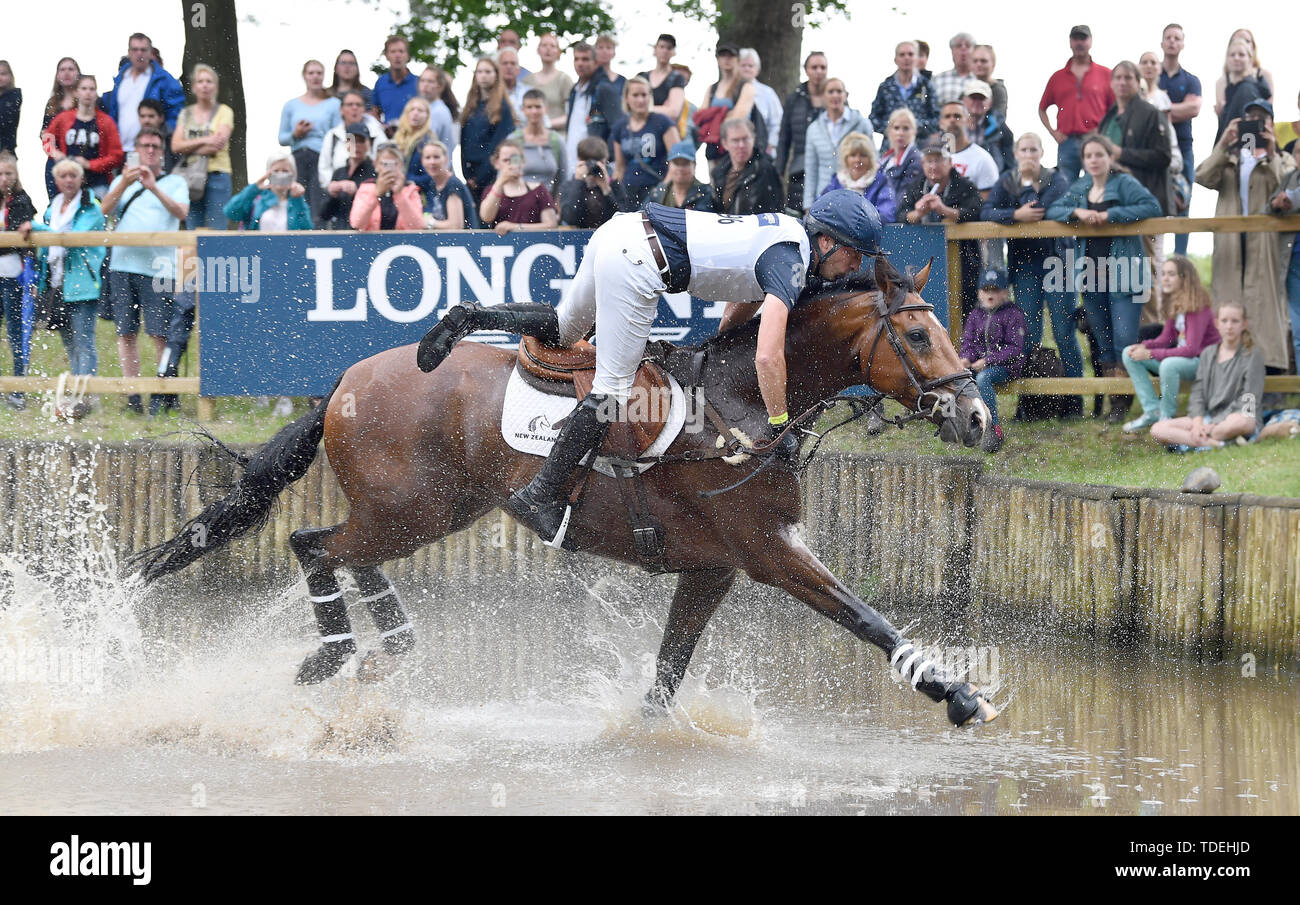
[(1216, 575), (953, 233)]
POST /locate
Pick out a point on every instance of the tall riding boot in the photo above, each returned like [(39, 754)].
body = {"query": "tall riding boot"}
[(542, 505), (524, 318), (1119, 402)]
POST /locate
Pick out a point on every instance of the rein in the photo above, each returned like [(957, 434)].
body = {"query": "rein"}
[(859, 407)]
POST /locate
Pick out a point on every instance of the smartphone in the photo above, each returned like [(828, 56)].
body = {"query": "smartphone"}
[(281, 179), (1248, 127), (132, 159)]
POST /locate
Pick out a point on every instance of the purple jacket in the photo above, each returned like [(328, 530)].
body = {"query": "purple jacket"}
[(998, 336), (1198, 332)]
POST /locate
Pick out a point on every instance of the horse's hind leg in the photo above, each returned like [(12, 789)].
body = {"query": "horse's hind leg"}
[(380, 598), (694, 603), (338, 643)]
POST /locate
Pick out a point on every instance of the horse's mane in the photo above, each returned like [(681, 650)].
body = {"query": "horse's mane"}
[(746, 335)]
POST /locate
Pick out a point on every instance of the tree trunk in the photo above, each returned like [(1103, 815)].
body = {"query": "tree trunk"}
[(772, 27), (212, 37)]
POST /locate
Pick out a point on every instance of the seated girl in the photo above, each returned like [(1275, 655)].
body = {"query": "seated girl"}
[(1175, 353), (1226, 397)]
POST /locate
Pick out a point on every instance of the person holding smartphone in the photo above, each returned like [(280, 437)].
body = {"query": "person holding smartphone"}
[(1247, 171), (388, 201), (512, 204), (274, 202)]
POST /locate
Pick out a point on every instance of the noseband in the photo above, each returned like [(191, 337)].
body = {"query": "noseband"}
[(923, 388)]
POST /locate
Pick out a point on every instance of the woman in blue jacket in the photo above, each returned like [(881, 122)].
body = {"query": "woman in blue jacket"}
[(1022, 195), (485, 122), (274, 202), (69, 277), (1111, 272)]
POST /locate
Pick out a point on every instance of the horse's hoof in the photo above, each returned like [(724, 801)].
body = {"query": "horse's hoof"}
[(654, 706), (376, 666), (325, 662), (967, 706)]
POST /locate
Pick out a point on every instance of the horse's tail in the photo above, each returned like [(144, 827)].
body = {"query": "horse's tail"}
[(272, 468)]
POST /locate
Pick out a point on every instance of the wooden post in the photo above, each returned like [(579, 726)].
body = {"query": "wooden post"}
[(207, 408), (954, 292)]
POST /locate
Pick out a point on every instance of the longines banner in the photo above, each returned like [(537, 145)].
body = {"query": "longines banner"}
[(286, 315)]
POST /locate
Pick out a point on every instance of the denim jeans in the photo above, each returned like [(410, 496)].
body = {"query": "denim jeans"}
[(1293, 301), (1189, 170), (79, 338), (1069, 160), (208, 212), (1172, 372), (11, 310), (1114, 320), (1030, 297), (987, 381)]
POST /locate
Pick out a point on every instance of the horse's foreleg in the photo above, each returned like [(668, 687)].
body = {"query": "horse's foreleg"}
[(380, 598), (338, 643), (694, 603), (793, 568)]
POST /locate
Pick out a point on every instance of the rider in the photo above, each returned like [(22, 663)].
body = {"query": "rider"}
[(759, 263)]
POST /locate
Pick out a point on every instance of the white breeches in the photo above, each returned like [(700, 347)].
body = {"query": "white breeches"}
[(617, 288)]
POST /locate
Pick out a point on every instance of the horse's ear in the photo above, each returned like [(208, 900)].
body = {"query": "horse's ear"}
[(882, 277), (922, 276)]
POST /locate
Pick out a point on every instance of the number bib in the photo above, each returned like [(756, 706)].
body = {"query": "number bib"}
[(725, 249)]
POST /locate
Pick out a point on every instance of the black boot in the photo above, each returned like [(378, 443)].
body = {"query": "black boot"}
[(524, 318), (542, 505), (337, 641)]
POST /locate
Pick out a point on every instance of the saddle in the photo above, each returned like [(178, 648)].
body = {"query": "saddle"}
[(570, 371)]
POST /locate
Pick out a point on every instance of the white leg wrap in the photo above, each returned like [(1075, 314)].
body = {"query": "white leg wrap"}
[(406, 627), (330, 639), (380, 596), (327, 598)]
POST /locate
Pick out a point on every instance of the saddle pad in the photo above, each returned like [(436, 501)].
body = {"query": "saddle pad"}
[(528, 417)]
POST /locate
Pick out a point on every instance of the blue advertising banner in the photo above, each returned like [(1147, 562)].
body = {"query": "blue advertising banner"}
[(285, 315)]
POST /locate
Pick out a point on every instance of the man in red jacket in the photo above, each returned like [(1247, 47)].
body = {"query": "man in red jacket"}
[(1081, 94), (87, 135)]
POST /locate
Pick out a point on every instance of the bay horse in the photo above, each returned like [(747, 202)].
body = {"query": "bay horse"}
[(420, 456)]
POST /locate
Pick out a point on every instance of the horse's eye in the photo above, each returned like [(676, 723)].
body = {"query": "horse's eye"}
[(918, 338)]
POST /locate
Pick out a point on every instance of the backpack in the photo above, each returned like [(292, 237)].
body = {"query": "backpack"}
[(708, 127), (1041, 362)]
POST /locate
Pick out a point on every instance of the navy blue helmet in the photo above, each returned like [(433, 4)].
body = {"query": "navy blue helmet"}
[(846, 217)]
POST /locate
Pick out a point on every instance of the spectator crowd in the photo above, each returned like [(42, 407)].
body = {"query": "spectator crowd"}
[(546, 148)]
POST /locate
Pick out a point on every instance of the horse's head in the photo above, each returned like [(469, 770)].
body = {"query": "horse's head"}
[(905, 353)]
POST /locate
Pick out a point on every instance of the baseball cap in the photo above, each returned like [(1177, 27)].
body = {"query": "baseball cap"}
[(683, 150), (1261, 104), (727, 47), (1082, 31), (993, 278), (935, 145), (978, 86), (358, 129)]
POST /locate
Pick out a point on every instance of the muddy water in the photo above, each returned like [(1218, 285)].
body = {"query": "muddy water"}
[(526, 701)]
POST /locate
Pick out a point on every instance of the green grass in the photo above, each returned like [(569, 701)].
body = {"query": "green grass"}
[(1091, 452), (237, 420)]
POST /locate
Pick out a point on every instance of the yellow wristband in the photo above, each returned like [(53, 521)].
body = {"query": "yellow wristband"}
[(779, 419)]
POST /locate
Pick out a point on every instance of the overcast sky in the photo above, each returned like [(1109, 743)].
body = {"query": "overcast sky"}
[(277, 37)]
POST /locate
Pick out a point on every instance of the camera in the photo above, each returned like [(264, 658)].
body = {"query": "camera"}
[(281, 179), (595, 168)]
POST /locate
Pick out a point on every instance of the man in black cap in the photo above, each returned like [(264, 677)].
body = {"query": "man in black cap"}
[(343, 183), (1080, 91), (940, 194)]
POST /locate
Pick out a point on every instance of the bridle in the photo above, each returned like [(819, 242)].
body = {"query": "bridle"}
[(923, 388)]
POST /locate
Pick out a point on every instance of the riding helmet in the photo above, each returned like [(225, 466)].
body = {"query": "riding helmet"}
[(848, 218)]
